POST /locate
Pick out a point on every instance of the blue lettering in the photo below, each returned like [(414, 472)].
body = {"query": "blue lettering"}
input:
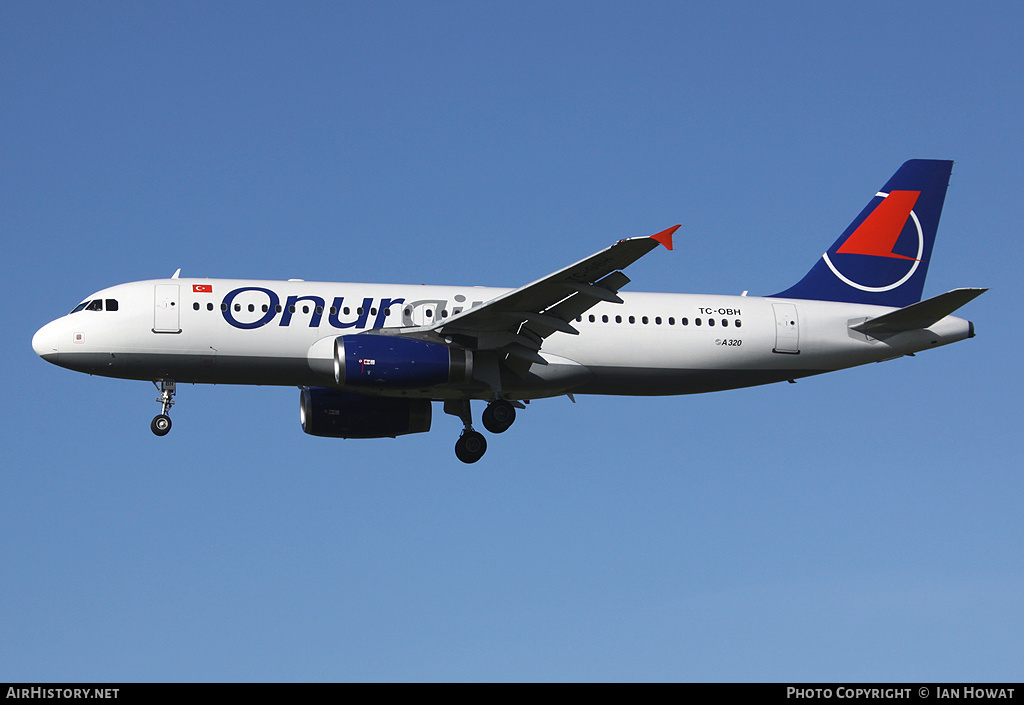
[(318, 310), (382, 314), (267, 317), (362, 314), (272, 308)]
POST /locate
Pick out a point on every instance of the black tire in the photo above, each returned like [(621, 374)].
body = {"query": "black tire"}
[(470, 447), (498, 416), (161, 425)]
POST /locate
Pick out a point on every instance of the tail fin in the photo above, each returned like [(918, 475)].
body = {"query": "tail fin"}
[(882, 257)]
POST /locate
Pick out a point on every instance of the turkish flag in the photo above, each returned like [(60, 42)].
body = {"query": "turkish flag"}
[(202, 288)]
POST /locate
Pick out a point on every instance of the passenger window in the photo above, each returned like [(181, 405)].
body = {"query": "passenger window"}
[(209, 307), (592, 318), (265, 308), (632, 319), (696, 321), (238, 307), (657, 321), (671, 321), (644, 320), (252, 308), (711, 321), (195, 306), (738, 323), (684, 321), (604, 319), (111, 304), (725, 323), (618, 319), (319, 310)]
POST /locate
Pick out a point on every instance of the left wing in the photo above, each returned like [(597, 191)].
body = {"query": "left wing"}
[(518, 321)]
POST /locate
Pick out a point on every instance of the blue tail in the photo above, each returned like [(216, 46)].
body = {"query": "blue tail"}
[(882, 257)]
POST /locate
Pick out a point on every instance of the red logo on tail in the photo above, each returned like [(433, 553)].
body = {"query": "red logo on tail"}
[(878, 234)]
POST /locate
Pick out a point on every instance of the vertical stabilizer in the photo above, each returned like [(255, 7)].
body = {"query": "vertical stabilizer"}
[(882, 257)]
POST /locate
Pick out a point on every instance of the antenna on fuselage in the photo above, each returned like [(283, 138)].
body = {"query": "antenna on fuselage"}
[(176, 273)]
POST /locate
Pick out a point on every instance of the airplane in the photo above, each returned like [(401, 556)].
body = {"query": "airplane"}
[(370, 359)]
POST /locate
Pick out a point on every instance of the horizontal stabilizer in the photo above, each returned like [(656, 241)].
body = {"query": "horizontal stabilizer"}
[(920, 315)]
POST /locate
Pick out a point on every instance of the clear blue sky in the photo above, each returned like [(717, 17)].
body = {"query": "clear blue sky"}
[(864, 525)]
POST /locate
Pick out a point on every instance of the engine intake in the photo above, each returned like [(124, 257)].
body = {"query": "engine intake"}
[(392, 362), (336, 414)]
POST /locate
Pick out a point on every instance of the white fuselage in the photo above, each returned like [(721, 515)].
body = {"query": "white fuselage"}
[(283, 333)]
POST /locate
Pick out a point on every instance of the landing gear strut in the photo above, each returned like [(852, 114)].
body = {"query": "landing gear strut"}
[(161, 424), (471, 445)]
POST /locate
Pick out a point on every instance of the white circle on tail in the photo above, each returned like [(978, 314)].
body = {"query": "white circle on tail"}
[(903, 280)]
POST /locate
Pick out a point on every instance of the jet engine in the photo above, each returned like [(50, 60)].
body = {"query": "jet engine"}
[(336, 414), (393, 362)]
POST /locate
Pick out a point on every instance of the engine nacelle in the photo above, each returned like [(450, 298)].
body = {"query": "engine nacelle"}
[(393, 362), (335, 414)]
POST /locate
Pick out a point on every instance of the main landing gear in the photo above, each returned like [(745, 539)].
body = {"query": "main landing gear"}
[(471, 446), (161, 424), (497, 418)]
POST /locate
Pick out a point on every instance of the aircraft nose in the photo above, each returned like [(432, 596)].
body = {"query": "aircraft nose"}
[(44, 342)]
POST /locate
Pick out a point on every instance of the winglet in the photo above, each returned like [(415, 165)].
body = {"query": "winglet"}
[(665, 236)]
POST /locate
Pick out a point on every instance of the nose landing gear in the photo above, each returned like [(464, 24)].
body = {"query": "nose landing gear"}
[(161, 424)]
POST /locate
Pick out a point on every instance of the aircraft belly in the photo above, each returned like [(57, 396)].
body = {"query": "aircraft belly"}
[(197, 368), (633, 381)]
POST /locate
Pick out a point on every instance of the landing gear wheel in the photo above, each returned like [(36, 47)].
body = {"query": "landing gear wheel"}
[(161, 425), (471, 446), (498, 416)]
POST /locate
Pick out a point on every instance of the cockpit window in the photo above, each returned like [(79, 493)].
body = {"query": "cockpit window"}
[(95, 305)]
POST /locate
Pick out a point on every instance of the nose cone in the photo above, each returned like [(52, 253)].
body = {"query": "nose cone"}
[(44, 342)]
